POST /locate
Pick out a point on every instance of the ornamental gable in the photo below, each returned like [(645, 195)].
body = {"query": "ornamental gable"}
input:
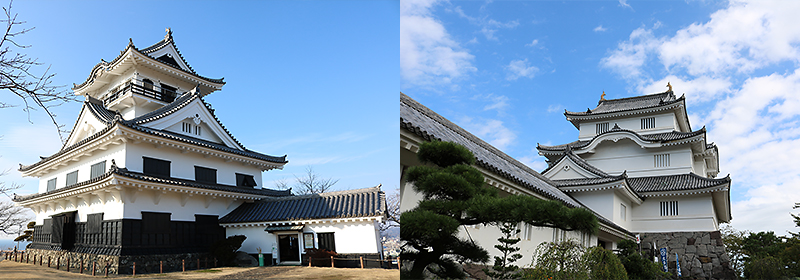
[(92, 119)]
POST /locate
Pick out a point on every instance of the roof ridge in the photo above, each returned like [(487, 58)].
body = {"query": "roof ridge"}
[(328, 194)]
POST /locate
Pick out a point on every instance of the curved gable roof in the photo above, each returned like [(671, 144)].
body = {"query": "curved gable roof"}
[(630, 103), (653, 138)]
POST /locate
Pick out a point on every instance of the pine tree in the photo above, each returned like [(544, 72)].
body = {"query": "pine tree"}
[(454, 195), (504, 267)]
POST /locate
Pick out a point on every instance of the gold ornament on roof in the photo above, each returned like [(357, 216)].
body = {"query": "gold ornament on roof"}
[(603, 96), (669, 86)]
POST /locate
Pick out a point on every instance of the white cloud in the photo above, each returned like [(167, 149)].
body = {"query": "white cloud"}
[(520, 68), (624, 4), (600, 28), (496, 102), (490, 130), (534, 43), (488, 26), (699, 89), (428, 54), (555, 108)]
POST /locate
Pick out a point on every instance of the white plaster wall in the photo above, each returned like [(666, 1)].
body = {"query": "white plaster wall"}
[(665, 122), (616, 157), (112, 209), (601, 202), (115, 152), (356, 237), (620, 200), (695, 213), (182, 165), (171, 202)]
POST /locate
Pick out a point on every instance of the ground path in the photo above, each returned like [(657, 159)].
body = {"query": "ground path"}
[(14, 270)]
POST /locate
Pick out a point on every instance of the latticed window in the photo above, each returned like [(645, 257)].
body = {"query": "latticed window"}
[(623, 212), (601, 127), (72, 178), (326, 241), (669, 208), (51, 184), (648, 123), (661, 160), (97, 169)]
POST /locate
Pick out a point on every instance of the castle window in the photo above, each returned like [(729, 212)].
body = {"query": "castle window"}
[(326, 241), (648, 123), (669, 208), (94, 223), (153, 222), (148, 84), (197, 130), (51, 184), (97, 169), (72, 178), (623, 212), (243, 180), (601, 127), (661, 160), (205, 175), (156, 167), (190, 128)]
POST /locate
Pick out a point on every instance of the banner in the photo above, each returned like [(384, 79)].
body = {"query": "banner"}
[(678, 264), (664, 259)]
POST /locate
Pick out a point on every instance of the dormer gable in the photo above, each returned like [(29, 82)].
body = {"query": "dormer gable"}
[(167, 52), (92, 119), (571, 166), (189, 116)]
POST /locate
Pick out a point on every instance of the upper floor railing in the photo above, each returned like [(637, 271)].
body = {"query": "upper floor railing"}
[(141, 88)]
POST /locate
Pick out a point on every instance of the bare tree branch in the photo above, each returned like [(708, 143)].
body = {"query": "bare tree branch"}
[(12, 217), (312, 183), (16, 75), (392, 210)]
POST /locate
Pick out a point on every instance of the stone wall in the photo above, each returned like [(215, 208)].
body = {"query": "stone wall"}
[(63, 259), (702, 254)]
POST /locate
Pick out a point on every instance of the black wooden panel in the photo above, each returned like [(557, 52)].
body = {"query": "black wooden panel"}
[(155, 223), (205, 175), (94, 223), (157, 167), (244, 180), (326, 241)]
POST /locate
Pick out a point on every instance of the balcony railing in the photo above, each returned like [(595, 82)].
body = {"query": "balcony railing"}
[(148, 90)]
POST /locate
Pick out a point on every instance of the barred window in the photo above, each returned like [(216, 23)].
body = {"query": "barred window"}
[(669, 208), (661, 160), (601, 127), (623, 212), (326, 241), (648, 123), (152, 166), (51, 184), (97, 169), (72, 178), (205, 175)]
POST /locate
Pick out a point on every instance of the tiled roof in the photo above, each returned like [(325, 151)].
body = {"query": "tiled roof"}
[(657, 137), (103, 64), (580, 162), (159, 179), (369, 202), (587, 181), (682, 182), (111, 119), (429, 125), (629, 104)]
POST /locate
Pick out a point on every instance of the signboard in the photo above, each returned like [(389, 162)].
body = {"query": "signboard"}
[(664, 259), (308, 240), (638, 240), (678, 264)]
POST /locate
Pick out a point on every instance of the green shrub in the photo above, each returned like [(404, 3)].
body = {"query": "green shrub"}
[(636, 265), (603, 264), (763, 268), (225, 250)]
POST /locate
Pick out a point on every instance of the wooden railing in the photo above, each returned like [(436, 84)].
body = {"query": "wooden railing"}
[(151, 91)]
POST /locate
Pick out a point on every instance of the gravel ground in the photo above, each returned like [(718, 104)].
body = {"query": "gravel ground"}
[(14, 270)]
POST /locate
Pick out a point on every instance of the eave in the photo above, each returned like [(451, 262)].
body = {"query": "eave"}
[(619, 186), (679, 106)]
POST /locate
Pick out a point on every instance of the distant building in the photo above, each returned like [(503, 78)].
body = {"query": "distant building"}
[(148, 170), (637, 164)]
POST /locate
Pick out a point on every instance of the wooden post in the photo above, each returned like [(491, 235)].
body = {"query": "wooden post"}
[(362, 261), (206, 259), (398, 262), (106, 269), (198, 264), (81, 265), (134, 269), (161, 267), (58, 263), (94, 267), (48, 261), (67, 263), (331, 261), (215, 262)]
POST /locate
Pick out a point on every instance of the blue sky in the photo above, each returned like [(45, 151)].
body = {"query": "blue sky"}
[(506, 70), (316, 80)]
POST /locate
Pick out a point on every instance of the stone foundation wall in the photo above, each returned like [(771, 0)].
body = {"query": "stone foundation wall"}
[(702, 254), (64, 259), (117, 264)]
